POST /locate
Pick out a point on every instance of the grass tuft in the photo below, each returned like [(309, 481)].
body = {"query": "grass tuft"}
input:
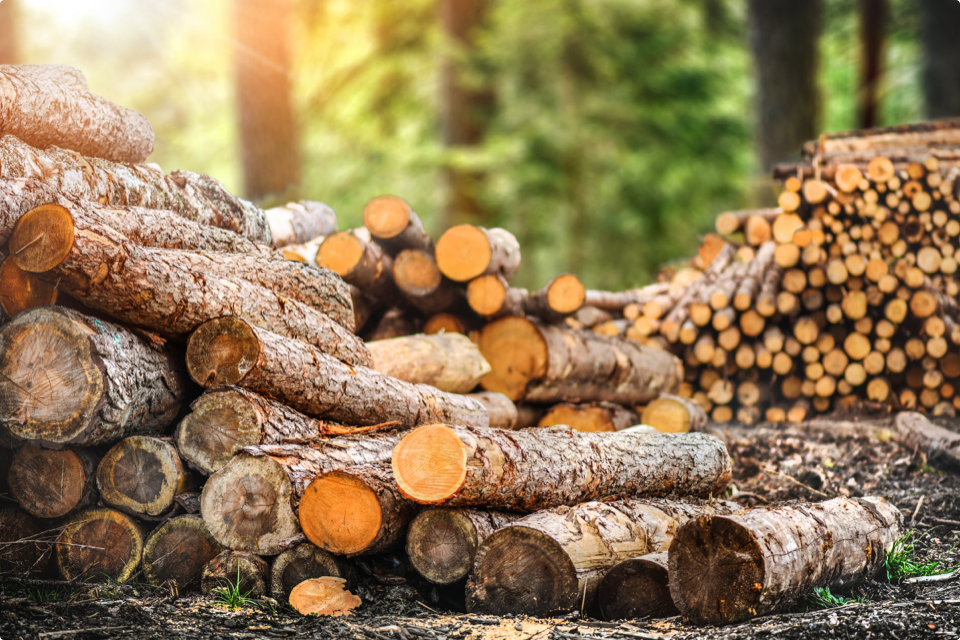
[(823, 598), (900, 561), (229, 595)]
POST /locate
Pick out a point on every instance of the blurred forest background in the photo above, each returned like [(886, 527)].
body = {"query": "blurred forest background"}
[(606, 134)]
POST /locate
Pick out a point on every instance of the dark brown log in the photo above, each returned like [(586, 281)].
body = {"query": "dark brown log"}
[(232, 351), (542, 363), (141, 476), (300, 222), (637, 588), (394, 225), (52, 484), (177, 551), (501, 410), (552, 561), (465, 252), (66, 378), (99, 544), (241, 571), (528, 415), (725, 569), (442, 543), (356, 510), (21, 552), (51, 105), (396, 322), (170, 292), (462, 467), (916, 433), (591, 418), (673, 414), (416, 274), (20, 290), (448, 361), (304, 562)]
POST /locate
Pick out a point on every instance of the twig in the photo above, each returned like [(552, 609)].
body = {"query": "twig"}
[(913, 518), (945, 521), (795, 481), (749, 494), (72, 632), (941, 577)]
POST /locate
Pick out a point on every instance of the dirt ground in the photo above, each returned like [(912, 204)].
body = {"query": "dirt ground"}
[(771, 464)]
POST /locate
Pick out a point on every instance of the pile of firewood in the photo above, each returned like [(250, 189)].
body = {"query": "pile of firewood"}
[(200, 407)]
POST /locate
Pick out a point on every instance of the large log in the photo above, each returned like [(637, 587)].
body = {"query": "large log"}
[(177, 551), (465, 252), (99, 544), (448, 361), (66, 378), (196, 197), (725, 569), (594, 417), (552, 561), (637, 588), (304, 562), (141, 476), (232, 351), (53, 484), (442, 543), (51, 105), (236, 570), (916, 433), (538, 469), (547, 364), (300, 222), (170, 292)]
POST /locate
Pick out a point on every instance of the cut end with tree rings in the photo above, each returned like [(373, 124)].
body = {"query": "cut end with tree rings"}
[(386, 216), (42, 238), (222, 352), (430, 464)]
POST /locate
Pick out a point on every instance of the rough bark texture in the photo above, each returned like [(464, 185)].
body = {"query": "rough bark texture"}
[(726, 569), (246, 572), (394, 225), (448, 361), (591, 418), (304, 562), (552, 561), (169, 291), (194, 196), (916, 433), (442, 543), (356, 510), (637, 588), (300, 222), (66, 378), (501, 410), (673, 414), (23, 558), (141, 476), (52, 484), (177, 551), (51, 105), (99, 544), (538, 469), (546, 364), (316, 384)]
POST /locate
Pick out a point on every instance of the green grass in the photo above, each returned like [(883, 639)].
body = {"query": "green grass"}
[(44, 595), (900, 562), (229, 595), (823, 598)]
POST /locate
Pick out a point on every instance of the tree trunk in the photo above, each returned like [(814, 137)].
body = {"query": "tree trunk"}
[(394, 226), (547, 364), (141, 476), (304, 562), (162, 290), (543, 468), (726, 569), (590, 418), (177, 552), (941, 58), (442, 543), (268, 131), (66, 379), (501, 410), (940, 446), (9, 51), (21, 558), (51, 106), (99, 544), (637, 588), (552, 561), (416, 274), (300, 222), (21, 290), (196, 197), (356, 511), (448, 361), (873, 18), (281, 368), (246, 572), (465, 252), (784, 38), (53, 484), (673, 414)]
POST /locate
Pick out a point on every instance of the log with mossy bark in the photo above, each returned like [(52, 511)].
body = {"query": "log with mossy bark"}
[(299, 222), (538, 469), (448, 361), (141, 475), (232, 351), (729, 568), (176, 552), (69, 379), (49, 483)]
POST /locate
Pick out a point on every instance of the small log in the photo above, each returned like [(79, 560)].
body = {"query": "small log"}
[(66, 378), (230, 351), (442, 543), (448, 361), (361, 262), (465, 252), (729, 568), (53, 484), (21, 290), (637, 588), (503, 413), (454, 466), (916, 433), (595, 417), (299, 222), (51, 105), (326, 596), (141, 476), (356, 511), (416, 274), (21, 552), (177, 551), (395, 323), (394, 225), (98, 544), (558, 299), (304, 562), (617, 302), (673, 414), (244, 572)]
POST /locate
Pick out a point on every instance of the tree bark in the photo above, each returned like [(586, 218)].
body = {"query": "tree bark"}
[(394, 226), (727, 569), (540, 363), (637, 588), (465, 252), (67, 379), (590, 418), (673, 414), (21, 558), (177, 552), (916, 433), (53, 484), (552, 561), (873, 18), (941, 58), (356, 510), (448, 361), (304, 562), (99, 544), (501, 410), (281, 368), (196, 197), (248, 573), (51, 105), (141, 476), (543, 468), (300, 222), (442, 543)]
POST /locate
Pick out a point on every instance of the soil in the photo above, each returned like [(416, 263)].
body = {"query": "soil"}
[(771, 465)]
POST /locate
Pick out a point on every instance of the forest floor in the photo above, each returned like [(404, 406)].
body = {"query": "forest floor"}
[(771, 464)]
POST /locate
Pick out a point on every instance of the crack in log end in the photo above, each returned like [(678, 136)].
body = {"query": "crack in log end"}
[(99, 544), (220, 425), (42, 238)]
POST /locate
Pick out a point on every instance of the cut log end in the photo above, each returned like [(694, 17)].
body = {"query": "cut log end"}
[(323, 597), (244, 571), (222, 351), (340, 514), (177, 551), (487, 294), (49, 483), (20, 553), (99, 544), (463, 252), (516, 352), (443, 323), (671, 414), (637, 588), (341, 252), (219, 425), (430, 464), (386, 216), (21, 290), (141, 475), (416, 273), (441, 544), (566, 294), (42, 238), (303, 562)]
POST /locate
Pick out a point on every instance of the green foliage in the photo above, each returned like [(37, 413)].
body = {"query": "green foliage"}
[(230, 595), (901, 562), (823, 598)]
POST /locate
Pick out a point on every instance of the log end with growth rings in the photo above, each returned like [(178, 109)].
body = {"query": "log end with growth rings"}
[(340, 514), (463, 252), (386, 216), (222, 351), (430, 464), (517, 353), (21, 290), (441, 544), (141, 475), (341, 252), (99, 544), (566, 294), (219, 426), (487, 294), (42, 238), (48, 483)]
